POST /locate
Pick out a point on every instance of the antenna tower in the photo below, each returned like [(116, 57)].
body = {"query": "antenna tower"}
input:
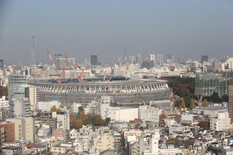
[(33, 51)]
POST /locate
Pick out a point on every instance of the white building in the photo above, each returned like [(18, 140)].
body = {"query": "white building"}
[(221, 122), (147, 113), (63, 120), (3, 102), (75, 107), (154, 147), (19, 107), (47, 105), (121, 113)]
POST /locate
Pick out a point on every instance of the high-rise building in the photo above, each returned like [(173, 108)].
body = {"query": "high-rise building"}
[(204, 58), (159, 58), (93, 59), (139, 59), (230, 102), (19, 108), (170, 58), (1, 64), (119, 59), (153, 58), (132, 59), (16, 86)]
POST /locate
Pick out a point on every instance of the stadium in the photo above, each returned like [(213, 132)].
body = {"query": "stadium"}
[(122, 90)]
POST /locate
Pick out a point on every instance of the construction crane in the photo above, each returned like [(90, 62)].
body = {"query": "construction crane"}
[(74, 65), (142, 99), (58, 75), (199, 109), (148, 54)]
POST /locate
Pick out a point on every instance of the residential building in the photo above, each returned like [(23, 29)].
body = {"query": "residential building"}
[(61, 134), (19, 107), (16, 86), (46, 118), (104, 142), (3, 113), (230, 104), (24, 128), (121, 113), (221, 122), (33, 97), (2, 136), (75, 107), (63, 120), (47, 105), (9, 130), (147, 113), (3, 102)]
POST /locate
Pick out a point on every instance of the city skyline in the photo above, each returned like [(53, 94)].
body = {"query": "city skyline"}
[(80, 29)]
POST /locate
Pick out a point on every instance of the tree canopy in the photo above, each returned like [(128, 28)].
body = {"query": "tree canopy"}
[(205, 103), (54, 109), (192, 104)]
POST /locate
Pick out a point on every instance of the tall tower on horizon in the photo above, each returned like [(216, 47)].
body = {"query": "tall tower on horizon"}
[(33, 51)]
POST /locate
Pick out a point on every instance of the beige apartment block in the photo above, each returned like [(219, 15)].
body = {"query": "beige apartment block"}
[(24, 128), (104, 142)]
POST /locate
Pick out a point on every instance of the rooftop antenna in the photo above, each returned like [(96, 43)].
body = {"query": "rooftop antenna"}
[(33, 51)]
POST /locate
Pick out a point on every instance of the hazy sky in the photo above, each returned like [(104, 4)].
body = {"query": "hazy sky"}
[(185, 28)]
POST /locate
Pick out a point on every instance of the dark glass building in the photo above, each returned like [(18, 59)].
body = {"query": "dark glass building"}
[(204, 58), (93, 59)]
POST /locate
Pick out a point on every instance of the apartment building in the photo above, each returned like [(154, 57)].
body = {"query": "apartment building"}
[(9, 130), (63, 120), (47, 105), (24, 128), (19, 107), (46, 118), (61, 134), (221, 122), (104, 142), (149, 114)]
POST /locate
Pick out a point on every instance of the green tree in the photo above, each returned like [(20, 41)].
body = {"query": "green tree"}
[(82, 115), (87, 121), (215, 97), (96, 120), (192, 104), (107, 121), (187, 101), (80, 109), (225, 97), (205, 103), (182, 105)]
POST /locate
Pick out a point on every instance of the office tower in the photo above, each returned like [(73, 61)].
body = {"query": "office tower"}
[(139, 59), (153, 58), (204, 58), (119, 59), (159, 58), (16, 86), (170, 58), (132, 59), (56, 56), (93, 59), (230, 102), (85, 61), (1, 64)]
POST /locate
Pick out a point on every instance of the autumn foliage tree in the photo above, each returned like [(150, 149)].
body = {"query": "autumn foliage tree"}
[(78, 123), (54, 109), (205, 103), (192, 104), (204, 124)]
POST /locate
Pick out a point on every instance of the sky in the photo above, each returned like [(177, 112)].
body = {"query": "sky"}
[(187, 29)]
